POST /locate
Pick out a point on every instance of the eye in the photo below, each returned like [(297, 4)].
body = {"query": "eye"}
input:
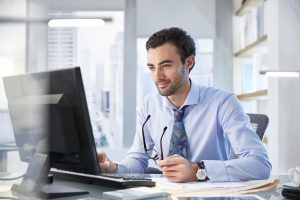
[(166, 65), (151, 68)]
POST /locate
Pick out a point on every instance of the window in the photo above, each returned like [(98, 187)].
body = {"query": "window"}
[(12, 60), (99, 53), (61, 47)]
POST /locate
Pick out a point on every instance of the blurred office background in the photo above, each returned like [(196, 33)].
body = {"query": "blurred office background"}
[(235, 40)]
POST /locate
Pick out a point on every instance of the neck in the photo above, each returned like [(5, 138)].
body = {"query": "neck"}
[(179, 97)]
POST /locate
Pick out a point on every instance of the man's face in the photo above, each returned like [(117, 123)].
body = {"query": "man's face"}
[(168, 72)]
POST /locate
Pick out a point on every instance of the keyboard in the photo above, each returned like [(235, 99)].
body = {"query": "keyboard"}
[(127, 176), (105, 179)]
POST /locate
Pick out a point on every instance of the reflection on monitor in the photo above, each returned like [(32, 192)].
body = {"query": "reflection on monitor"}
[(51, 124)]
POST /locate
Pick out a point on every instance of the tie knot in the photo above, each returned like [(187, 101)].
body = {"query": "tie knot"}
[(179, 113)]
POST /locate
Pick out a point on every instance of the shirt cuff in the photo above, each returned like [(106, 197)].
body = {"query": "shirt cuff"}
[(216, 170), (121, 169)]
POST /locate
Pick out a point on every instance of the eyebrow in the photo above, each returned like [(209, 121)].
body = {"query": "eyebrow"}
[(160, 63)]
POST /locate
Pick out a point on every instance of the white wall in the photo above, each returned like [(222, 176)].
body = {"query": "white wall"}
[(84, 5), (197, 17), (284, 93)]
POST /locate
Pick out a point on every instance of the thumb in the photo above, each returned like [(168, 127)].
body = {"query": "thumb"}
[(108, 167), (101, 156)]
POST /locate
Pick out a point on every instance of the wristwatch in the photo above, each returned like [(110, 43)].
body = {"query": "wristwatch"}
[(201, 172)]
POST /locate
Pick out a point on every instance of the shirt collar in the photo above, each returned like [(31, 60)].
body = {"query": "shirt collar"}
[(192, 98)]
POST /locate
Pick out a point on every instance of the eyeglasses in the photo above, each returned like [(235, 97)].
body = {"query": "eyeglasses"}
[(152, 153)]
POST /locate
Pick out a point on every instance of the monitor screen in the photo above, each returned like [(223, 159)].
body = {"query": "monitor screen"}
[(49, 115)]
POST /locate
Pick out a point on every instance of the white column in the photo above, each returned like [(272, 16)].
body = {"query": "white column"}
[(223, 63), (284, 93), (129, 74)]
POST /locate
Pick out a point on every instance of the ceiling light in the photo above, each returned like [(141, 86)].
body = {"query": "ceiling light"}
[(76, 23), (272, 73)]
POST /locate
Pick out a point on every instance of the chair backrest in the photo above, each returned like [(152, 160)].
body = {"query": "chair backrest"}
[(260, 123)]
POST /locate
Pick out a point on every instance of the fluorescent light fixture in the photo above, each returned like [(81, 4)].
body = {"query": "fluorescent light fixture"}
[(272, 73), (76, 23)]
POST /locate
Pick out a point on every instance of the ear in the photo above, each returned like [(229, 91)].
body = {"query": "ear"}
[(189, 61)]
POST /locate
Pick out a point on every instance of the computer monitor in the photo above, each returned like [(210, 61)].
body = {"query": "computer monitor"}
[(51, 124)]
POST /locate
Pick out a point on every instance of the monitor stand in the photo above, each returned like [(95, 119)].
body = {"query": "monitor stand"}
[(36, 181)]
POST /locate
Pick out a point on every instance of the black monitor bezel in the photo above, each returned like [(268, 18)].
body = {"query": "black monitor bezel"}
[(68, 82)]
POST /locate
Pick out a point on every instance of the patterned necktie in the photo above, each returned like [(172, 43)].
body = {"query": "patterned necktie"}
[(178, 142)]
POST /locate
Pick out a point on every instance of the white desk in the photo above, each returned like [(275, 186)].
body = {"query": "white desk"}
[(4, 149), (96, 191)]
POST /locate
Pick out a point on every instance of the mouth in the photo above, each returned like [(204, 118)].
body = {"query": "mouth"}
[(162, 84)]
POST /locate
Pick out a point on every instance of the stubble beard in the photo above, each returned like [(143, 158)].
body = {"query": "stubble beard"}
[(174, 86)]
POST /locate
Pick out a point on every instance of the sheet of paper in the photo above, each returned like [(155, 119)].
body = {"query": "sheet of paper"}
[(196, 189), (200, 185), (134, 193), (4, 188)]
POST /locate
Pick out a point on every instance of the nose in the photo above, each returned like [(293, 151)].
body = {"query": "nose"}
[(158, 73)]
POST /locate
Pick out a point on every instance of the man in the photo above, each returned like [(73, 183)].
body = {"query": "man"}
[(212, 122)]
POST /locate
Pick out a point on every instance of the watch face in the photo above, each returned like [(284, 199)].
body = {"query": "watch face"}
[(201, 174)]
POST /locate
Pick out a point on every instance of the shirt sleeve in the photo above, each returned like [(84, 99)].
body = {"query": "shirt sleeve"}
[(253, 162)]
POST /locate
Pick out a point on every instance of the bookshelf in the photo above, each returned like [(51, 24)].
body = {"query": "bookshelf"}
[(250, 53), (258, 46), (246, 6), (259, 94)]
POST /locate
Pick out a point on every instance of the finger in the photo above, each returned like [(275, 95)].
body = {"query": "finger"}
[(159, 163), (167, 169), (169, 174), (175, 175), (172, 160), (172, 168), (101, 156), (172, 177), (107, 167), (104, 167)]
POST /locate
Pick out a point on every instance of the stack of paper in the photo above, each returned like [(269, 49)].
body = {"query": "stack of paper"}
[(134, 193), (194, 189)]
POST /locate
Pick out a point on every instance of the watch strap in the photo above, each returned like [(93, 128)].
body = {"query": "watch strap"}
[(201, 165)]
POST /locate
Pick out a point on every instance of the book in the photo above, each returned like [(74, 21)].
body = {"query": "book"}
[(134, 193)]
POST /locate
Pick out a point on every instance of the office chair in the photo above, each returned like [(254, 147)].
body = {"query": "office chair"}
[(258, 121)]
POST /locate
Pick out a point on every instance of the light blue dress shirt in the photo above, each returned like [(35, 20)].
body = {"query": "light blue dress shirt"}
[(214, 122)]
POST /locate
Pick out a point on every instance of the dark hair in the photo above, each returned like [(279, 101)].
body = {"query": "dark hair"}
[(185, 45)]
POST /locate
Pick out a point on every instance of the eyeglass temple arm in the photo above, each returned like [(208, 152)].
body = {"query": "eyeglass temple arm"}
[(161, 149), (148, 117)]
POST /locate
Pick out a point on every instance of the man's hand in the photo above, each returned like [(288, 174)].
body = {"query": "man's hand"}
[(178, 169), (105, 164)]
